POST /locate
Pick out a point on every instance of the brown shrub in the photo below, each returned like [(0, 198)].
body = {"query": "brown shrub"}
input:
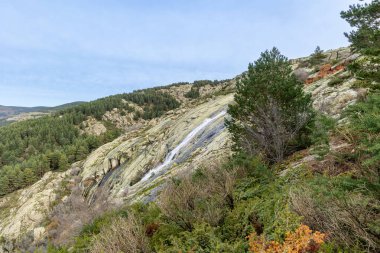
[(200, 197), (299, 241), (68, 218), (346, 220), (123, 235)]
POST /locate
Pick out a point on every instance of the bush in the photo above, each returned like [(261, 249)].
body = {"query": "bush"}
[(69, 218), (202, 239), (301, 240), (365, 124), (317, 57), (199, 198), (192, 93), (335, 81), (346, 209), (320, 136), (122, 235)]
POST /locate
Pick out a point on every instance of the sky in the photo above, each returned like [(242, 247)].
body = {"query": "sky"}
[(54, 52)]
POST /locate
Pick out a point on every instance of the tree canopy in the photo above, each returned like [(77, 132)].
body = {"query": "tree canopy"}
[(271, 110)]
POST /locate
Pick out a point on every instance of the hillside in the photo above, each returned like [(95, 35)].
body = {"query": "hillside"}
[(17, 113), (162, 133)]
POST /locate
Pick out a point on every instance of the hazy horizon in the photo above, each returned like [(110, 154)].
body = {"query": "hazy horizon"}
[(55, 53)]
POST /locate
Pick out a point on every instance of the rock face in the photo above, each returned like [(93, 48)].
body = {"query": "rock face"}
[(24, 210), (93, 127), (118, 167), (333, 99), (141, 150)]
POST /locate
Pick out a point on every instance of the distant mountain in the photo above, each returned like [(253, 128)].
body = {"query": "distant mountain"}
[(11, 111)]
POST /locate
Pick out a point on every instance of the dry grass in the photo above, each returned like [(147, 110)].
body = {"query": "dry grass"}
[(197, 198), (346, 220), (68, 218), (123, 235)]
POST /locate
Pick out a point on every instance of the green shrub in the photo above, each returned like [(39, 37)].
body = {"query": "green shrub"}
[(203, 239), (335, 81), (192, 93), (316, 57), (365, 124), (320, 136)]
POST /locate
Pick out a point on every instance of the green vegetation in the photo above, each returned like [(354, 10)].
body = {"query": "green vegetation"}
[(335, 81), (248, 202), (365, 39), (192, 93), (317, 57), (263, 199), (154, 104), (365, 126), (271, 116), (30, 148)]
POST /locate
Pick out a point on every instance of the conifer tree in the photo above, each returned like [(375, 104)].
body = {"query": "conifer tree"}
[(317, 56), (365, 39), (271, 114)]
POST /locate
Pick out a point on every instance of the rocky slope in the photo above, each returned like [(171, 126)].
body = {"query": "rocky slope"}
[(123, 168)]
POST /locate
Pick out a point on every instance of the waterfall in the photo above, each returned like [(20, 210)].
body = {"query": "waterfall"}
[(170, 157)]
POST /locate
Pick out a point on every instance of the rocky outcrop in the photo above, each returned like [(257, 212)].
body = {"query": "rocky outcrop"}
[(93, 127), (23, 211), (139, 151), (332, 100)]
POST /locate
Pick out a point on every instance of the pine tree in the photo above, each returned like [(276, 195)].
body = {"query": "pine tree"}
[(29, 177), (317, 57), (63, 162), (365, 39), (4, 185), (366, 19), (271, 114)]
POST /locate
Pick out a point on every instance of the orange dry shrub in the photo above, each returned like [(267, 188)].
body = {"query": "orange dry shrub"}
[(324, 71), (300, 241)]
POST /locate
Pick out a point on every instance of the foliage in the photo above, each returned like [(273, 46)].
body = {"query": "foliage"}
[(320, 136), (365, 124), (201, 198), (316, 57), (335, 81), (30, 148), (154, 104), (271, 114), (364, 17), (301, 240), (192, 93), (345, 208), (203, 239), (365, 39)]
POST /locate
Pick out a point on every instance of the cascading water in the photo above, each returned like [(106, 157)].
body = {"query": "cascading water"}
[(170, 157)]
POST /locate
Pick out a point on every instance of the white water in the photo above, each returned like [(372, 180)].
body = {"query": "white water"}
[(169, 158)]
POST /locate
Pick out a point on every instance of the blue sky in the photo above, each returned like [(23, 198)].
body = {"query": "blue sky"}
[(54, 52)]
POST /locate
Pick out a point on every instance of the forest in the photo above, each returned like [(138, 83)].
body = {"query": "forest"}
[(29, 149)]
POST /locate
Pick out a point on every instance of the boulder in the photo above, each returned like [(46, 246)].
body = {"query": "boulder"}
[(38, 234)]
